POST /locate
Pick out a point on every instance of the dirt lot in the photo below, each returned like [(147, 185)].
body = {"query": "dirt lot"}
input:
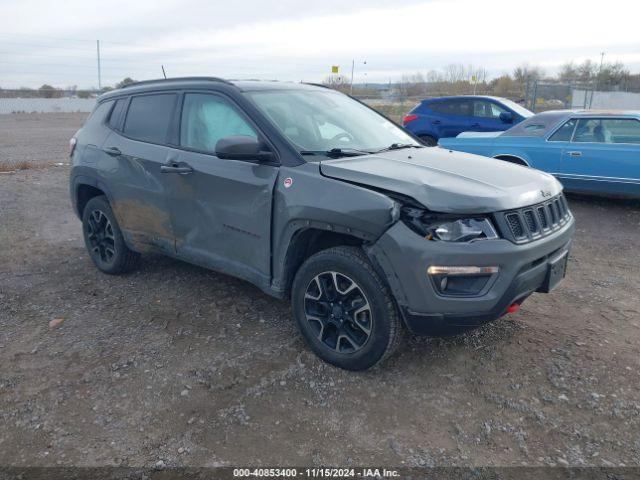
[(183, 366), (37, 139)]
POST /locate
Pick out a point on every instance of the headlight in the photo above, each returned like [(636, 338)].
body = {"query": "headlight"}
[(448, 228)]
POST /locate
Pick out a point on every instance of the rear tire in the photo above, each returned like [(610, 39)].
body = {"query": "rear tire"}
[(344, 310), (103, 238), (428, 140)]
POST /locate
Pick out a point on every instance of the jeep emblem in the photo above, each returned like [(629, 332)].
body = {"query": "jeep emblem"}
[(545, 193)]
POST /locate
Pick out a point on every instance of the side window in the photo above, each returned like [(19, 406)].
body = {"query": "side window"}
[(589, 130), (452, 107), (563, 134), (486, 109), (440, 107), (461, 108), (149, 117), (208, 118), (620, 130), (116, 112)]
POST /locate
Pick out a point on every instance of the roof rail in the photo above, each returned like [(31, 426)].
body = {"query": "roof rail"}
[(157, 80)]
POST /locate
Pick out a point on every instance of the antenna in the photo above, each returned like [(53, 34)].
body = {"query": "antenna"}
[(163, 72)]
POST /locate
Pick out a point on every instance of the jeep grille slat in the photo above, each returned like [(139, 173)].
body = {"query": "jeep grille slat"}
[(532, 224), (537, 221), (515, 225)]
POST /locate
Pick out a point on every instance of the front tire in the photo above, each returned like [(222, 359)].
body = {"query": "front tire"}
[(103, 238), (344, 310)]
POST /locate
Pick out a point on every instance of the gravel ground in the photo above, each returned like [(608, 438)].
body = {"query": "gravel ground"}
[(37, 138), (183, 366)]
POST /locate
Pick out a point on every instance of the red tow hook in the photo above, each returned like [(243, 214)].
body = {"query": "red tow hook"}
[(513, 308)]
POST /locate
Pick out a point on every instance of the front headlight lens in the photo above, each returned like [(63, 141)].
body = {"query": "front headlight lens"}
[(448, 228), (463, 230)]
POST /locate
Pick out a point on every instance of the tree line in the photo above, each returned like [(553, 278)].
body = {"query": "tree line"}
[(48, 91), (458, 79)]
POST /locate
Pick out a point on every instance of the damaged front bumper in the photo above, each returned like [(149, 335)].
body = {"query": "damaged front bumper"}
[(429, 305)]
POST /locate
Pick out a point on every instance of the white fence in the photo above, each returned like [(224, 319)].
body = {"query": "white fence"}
[(46, 105), (605, 100)]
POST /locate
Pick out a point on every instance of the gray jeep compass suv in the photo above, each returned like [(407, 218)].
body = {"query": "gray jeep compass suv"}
[(309, 194)]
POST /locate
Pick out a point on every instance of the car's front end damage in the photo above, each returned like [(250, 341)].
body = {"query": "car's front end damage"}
[(440, 284), (469, 245)]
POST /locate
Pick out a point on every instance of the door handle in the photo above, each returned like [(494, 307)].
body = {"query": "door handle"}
[(475, 124), (436, 122), (575, 153), (181, 168), (113, 151)]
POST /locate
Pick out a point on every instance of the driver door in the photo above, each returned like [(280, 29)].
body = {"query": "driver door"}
[(486, 117), (220, 209)]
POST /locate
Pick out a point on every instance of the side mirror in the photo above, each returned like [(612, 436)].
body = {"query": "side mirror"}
[(506, 117), (242, 147)]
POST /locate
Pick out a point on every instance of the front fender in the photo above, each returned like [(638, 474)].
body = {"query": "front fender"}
[(303, 199)]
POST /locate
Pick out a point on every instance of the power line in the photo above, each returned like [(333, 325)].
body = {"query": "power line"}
[(47, 64), (49, 47), (87, 57), (77, 40)]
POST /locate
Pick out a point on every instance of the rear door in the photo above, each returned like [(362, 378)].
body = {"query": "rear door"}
[(136, 148), (451, 117), (221, 210), (603, 156)]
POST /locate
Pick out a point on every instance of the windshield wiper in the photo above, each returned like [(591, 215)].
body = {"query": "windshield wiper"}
[(337, 152), (398, 146)]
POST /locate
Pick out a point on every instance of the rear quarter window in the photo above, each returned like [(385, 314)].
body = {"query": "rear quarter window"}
[(116, 113), (99, 115), (149, 117), (456, 107)]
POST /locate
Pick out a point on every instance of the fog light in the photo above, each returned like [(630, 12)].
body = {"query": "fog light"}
[(457, 270)]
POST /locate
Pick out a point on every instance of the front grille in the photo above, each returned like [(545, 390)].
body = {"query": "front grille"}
[(515, 225), (530, 223), (542, 215)]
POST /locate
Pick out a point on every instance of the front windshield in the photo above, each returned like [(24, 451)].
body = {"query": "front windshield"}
[(322, 120), (519, 109)]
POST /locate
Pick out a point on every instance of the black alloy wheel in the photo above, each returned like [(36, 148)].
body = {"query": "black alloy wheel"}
[(100, 237), (104, 240), (338, 312)]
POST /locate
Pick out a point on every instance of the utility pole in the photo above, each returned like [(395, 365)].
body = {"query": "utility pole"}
[(353, 66), (99, 73)]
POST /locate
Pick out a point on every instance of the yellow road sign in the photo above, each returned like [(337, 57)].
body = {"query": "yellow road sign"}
[(335, 68)]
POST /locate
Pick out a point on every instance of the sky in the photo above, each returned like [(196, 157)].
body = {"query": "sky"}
[(55, 42)]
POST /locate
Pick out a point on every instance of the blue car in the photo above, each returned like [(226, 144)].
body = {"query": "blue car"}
[(445, 117), (596, 152)]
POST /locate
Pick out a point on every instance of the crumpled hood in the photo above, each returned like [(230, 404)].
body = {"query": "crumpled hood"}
[(447, 181)]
